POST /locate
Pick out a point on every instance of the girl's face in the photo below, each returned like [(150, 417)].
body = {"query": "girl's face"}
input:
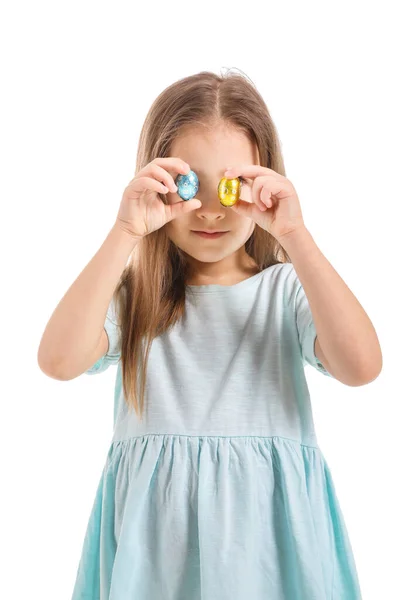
[(209, 153)]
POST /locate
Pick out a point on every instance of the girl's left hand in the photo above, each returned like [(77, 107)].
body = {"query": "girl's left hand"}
[(275, 205)]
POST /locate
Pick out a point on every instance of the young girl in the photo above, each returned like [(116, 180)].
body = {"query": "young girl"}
[(214, 486)]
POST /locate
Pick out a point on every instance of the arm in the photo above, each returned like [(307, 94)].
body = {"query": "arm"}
[(347, 343), (74, 337), (320, 355)]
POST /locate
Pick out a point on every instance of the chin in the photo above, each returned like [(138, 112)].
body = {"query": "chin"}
[(208, 256)]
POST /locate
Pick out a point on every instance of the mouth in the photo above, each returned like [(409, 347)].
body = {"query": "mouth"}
[(210, 234)]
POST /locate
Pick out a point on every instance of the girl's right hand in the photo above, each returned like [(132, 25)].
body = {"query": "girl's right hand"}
[(141, 210)]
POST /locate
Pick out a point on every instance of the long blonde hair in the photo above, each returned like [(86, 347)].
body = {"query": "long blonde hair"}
[(150, 294)]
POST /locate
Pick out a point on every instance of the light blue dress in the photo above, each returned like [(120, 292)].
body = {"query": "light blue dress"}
[(221, 492)]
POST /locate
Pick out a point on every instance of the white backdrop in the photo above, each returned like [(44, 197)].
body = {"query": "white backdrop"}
[(78, 78)]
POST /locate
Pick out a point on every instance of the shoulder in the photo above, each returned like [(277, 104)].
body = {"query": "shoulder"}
[(281, 285), (280, 274)]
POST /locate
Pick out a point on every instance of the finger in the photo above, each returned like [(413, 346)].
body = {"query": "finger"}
[(148, 183), (162, 175), (266, 197), (265, 187), (159, 174), (181, 208), (173, 163), (156, 168), (251, 171), (257, 197), (277, 187)]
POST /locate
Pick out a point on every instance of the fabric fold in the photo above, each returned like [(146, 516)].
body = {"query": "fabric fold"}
[(203, 517)]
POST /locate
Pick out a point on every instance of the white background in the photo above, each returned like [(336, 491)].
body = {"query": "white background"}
[(78, 78)]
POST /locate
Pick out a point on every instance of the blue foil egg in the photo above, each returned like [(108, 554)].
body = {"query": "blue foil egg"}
[(188, 185)]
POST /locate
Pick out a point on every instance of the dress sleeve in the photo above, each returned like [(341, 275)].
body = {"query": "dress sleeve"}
[(113, 332), (306, 329)]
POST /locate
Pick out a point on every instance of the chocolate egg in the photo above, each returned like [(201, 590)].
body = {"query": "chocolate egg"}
[(188, 185), (229, 191)]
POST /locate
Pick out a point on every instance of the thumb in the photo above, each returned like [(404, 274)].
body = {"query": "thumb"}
[(191, 205), (181, 208)]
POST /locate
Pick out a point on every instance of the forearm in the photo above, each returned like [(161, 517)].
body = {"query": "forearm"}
[(345, 333), (74, 329)]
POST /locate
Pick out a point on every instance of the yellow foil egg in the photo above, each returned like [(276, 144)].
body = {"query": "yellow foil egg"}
[(229, 191)]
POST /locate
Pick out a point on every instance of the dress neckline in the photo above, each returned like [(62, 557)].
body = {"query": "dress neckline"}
[(211, 288)]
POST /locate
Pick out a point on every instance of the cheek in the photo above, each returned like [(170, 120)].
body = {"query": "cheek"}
[(175, 229)]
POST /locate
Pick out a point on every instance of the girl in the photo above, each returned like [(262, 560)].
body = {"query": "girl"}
[(214, 485)]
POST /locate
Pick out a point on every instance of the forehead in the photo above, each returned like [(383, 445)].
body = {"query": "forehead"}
[(209, 147)]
